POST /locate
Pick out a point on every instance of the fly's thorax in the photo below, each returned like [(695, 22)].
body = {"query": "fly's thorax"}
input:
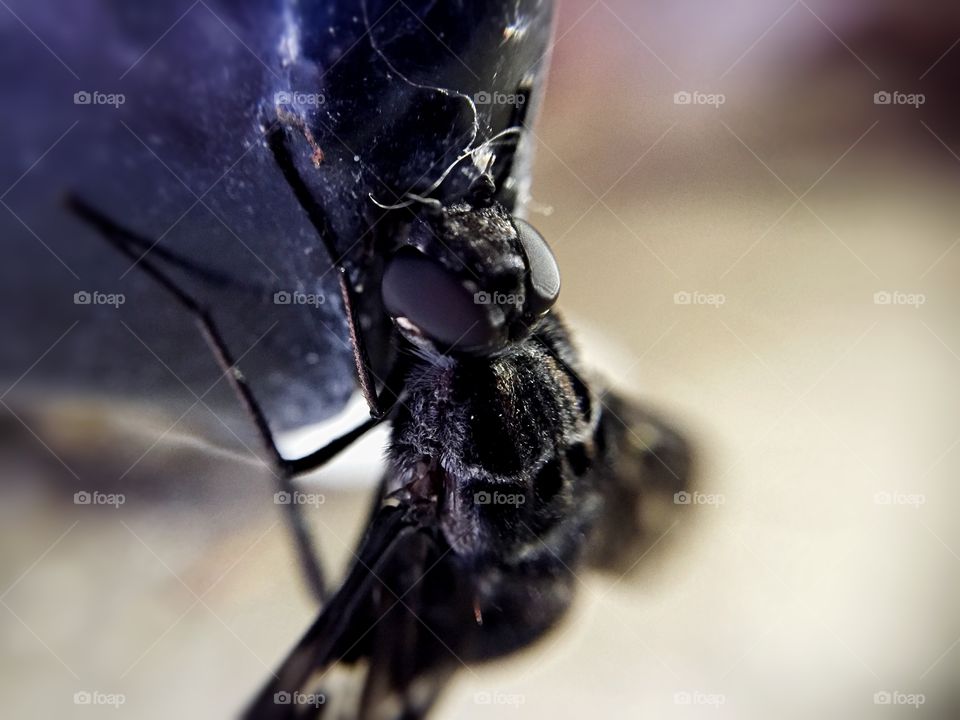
[(507, 440)]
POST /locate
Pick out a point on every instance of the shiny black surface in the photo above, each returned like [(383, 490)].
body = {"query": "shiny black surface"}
[(380, 99)]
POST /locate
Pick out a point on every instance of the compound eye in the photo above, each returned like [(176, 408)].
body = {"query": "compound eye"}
[(435, 302), (544, 272)]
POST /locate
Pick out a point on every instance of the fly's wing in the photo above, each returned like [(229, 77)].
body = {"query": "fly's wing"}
[(644, 470), (438, 79), (372, 653), (151, 113), (155, 115)]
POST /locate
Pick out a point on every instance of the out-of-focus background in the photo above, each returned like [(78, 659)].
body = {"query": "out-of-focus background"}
[(754, 205)]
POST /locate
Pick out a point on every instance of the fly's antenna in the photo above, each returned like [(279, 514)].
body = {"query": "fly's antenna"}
[(411, 199), (424, 197)]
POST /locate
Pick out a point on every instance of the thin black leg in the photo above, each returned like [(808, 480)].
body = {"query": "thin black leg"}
[(125, 241), (379, 403)]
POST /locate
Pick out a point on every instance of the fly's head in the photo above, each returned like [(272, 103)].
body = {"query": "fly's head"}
[(469, 279)]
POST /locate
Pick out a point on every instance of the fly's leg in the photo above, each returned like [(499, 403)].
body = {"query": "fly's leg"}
[(379, 403), (285, 470)]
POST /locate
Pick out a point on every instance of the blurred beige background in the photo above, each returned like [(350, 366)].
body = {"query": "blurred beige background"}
[(776, 268)]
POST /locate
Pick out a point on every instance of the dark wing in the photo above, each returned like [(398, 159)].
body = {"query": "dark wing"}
[(388, 97), (181, 161), (437, 81), (644, 462), (371, 654)]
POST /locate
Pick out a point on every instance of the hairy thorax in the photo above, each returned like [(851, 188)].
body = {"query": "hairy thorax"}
[(488, 441)]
